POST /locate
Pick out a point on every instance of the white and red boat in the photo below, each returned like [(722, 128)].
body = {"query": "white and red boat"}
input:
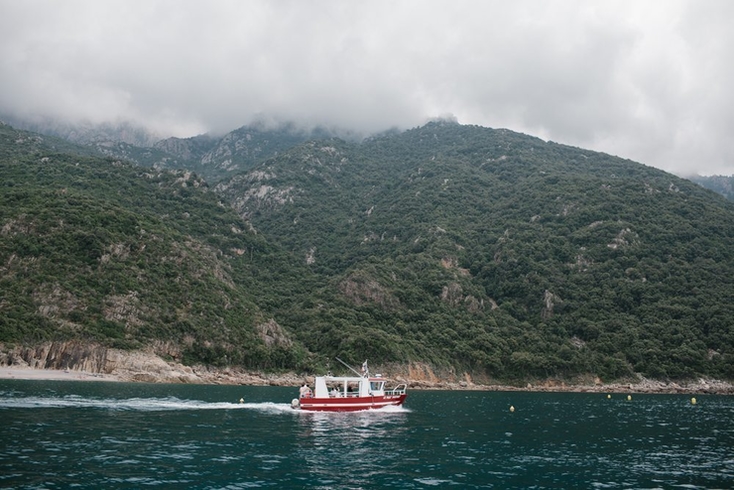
[(349, 393)]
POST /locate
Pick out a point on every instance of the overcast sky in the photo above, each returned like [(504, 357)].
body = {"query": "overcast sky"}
[(649, 80)]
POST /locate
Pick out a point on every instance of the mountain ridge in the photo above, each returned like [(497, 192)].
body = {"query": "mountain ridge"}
[(470, 249), (130, 142)]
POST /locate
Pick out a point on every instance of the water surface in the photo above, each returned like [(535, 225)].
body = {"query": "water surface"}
[(119, 435)]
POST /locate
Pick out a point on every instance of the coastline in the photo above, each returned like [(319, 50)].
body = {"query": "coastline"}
[(231, 377), (27, 373), (79, 361)]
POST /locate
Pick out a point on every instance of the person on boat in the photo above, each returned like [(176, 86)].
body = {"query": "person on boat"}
[(305, 391), (334, 392)]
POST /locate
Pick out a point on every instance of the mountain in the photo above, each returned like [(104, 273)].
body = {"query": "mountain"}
[(98, 250), (85, 133), (465, 249), (239, 150), (724, 185), (212, 157), (468, 246)]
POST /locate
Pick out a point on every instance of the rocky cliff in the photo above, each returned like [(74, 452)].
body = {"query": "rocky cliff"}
[(141, 366), (148, 367)]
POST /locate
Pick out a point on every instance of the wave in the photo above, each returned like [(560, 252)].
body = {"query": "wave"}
[(393, 409), (139, 404), (162, 404)]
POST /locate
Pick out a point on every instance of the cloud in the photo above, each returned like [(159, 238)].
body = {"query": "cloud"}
[(644, 80)]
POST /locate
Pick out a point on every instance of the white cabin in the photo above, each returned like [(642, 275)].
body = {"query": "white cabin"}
[(348, 386)]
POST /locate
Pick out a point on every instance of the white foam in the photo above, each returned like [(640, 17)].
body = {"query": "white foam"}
[(140, 404)]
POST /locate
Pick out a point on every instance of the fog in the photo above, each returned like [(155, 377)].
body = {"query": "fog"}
[(645, 80)]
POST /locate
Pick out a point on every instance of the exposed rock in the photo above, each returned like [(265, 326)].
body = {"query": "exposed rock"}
[(57, 355), (147, 366), (549, 300), (362, 289), (273, 334), (452, 294)]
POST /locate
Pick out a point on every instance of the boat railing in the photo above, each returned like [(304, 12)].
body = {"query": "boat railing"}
[(397, 391)]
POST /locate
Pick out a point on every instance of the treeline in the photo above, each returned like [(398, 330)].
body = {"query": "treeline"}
[(103, 251), (467, 248), (499, 253)]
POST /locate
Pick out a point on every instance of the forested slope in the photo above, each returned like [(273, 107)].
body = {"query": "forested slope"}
[(103, 251), (466, 248), (496, 251), (721, 184)]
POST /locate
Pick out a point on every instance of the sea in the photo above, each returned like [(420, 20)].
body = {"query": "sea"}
[(86, 434)]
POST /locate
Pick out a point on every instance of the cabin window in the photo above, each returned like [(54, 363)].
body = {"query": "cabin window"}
[(376, 385)]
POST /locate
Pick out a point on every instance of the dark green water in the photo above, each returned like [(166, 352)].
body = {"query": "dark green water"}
[(118, 435)]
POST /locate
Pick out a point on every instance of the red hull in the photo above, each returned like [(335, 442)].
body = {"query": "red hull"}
[(350, 404)]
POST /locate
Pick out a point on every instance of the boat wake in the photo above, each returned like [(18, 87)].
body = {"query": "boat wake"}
[(139, 404), (161, 404), (391, 409)]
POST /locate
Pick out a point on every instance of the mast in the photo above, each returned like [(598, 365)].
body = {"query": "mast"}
[(366, 373)]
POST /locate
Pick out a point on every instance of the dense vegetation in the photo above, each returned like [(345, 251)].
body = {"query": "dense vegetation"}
[(497, 252), (466, 248), (722, 184), (104, 251), (217, 158)]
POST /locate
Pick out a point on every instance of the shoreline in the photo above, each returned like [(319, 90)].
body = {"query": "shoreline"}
[(26, 373), (52, 361), (228, 377)]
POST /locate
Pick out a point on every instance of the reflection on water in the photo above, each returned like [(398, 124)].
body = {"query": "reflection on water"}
[(354, 449), (109, 435)]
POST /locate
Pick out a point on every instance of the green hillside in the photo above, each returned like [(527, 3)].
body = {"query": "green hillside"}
[(721, 184), (100, 250), (465, 248), (497, 252), (216, 158)]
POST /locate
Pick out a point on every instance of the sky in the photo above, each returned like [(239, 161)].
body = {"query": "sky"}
[(648, 80)]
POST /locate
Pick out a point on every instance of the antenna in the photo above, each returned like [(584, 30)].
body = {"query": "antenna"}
[(350, 367)]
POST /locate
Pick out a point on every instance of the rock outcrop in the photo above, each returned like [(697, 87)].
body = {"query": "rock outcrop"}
[(148, 367), (139, 366)]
